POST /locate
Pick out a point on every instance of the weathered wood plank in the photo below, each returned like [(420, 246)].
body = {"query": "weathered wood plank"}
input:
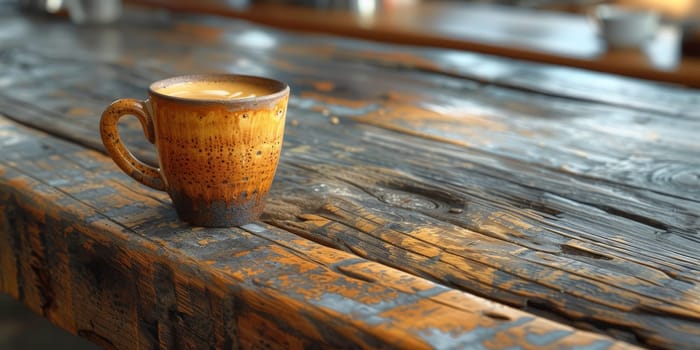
[(247, 50), (556, 265), (575, 202), (144, 280), (428, 87), (564, 150), (546, 79)]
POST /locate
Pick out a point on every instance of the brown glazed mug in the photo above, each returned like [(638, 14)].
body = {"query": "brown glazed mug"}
[(217, 157)]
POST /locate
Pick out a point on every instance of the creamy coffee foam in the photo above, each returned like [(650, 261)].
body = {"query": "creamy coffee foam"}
[(215, 90)]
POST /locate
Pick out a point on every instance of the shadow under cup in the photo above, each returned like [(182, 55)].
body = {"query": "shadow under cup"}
[(218, 157)]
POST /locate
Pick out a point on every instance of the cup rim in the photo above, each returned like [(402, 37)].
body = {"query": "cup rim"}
[(609, 12), (281, 88)]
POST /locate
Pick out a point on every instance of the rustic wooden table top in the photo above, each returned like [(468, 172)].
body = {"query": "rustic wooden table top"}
[(425, 198)]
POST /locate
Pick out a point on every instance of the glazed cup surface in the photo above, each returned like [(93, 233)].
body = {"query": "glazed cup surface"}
[(217, 157)]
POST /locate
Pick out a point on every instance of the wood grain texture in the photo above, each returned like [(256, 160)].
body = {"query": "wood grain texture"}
[(111, 263), (571, 195)]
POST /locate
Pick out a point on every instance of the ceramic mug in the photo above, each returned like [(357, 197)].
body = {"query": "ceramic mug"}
[(217, 156), (625, 28)]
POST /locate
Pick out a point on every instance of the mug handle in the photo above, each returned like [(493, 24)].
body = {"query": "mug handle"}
[(142, 172)]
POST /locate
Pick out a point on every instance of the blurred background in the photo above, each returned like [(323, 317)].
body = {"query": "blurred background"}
[(650, 39), (20, 329)]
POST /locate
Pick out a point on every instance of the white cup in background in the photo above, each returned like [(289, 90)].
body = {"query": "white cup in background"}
[(94, 11), (625, 28)]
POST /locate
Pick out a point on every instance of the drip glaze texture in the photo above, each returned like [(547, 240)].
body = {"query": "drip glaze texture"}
[(217, 158)]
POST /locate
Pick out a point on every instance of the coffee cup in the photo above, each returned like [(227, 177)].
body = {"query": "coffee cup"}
[(625, 28), (218, 139)]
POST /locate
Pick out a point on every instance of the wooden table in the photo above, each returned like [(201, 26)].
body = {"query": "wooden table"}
[(425, 198), (569, 39)]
